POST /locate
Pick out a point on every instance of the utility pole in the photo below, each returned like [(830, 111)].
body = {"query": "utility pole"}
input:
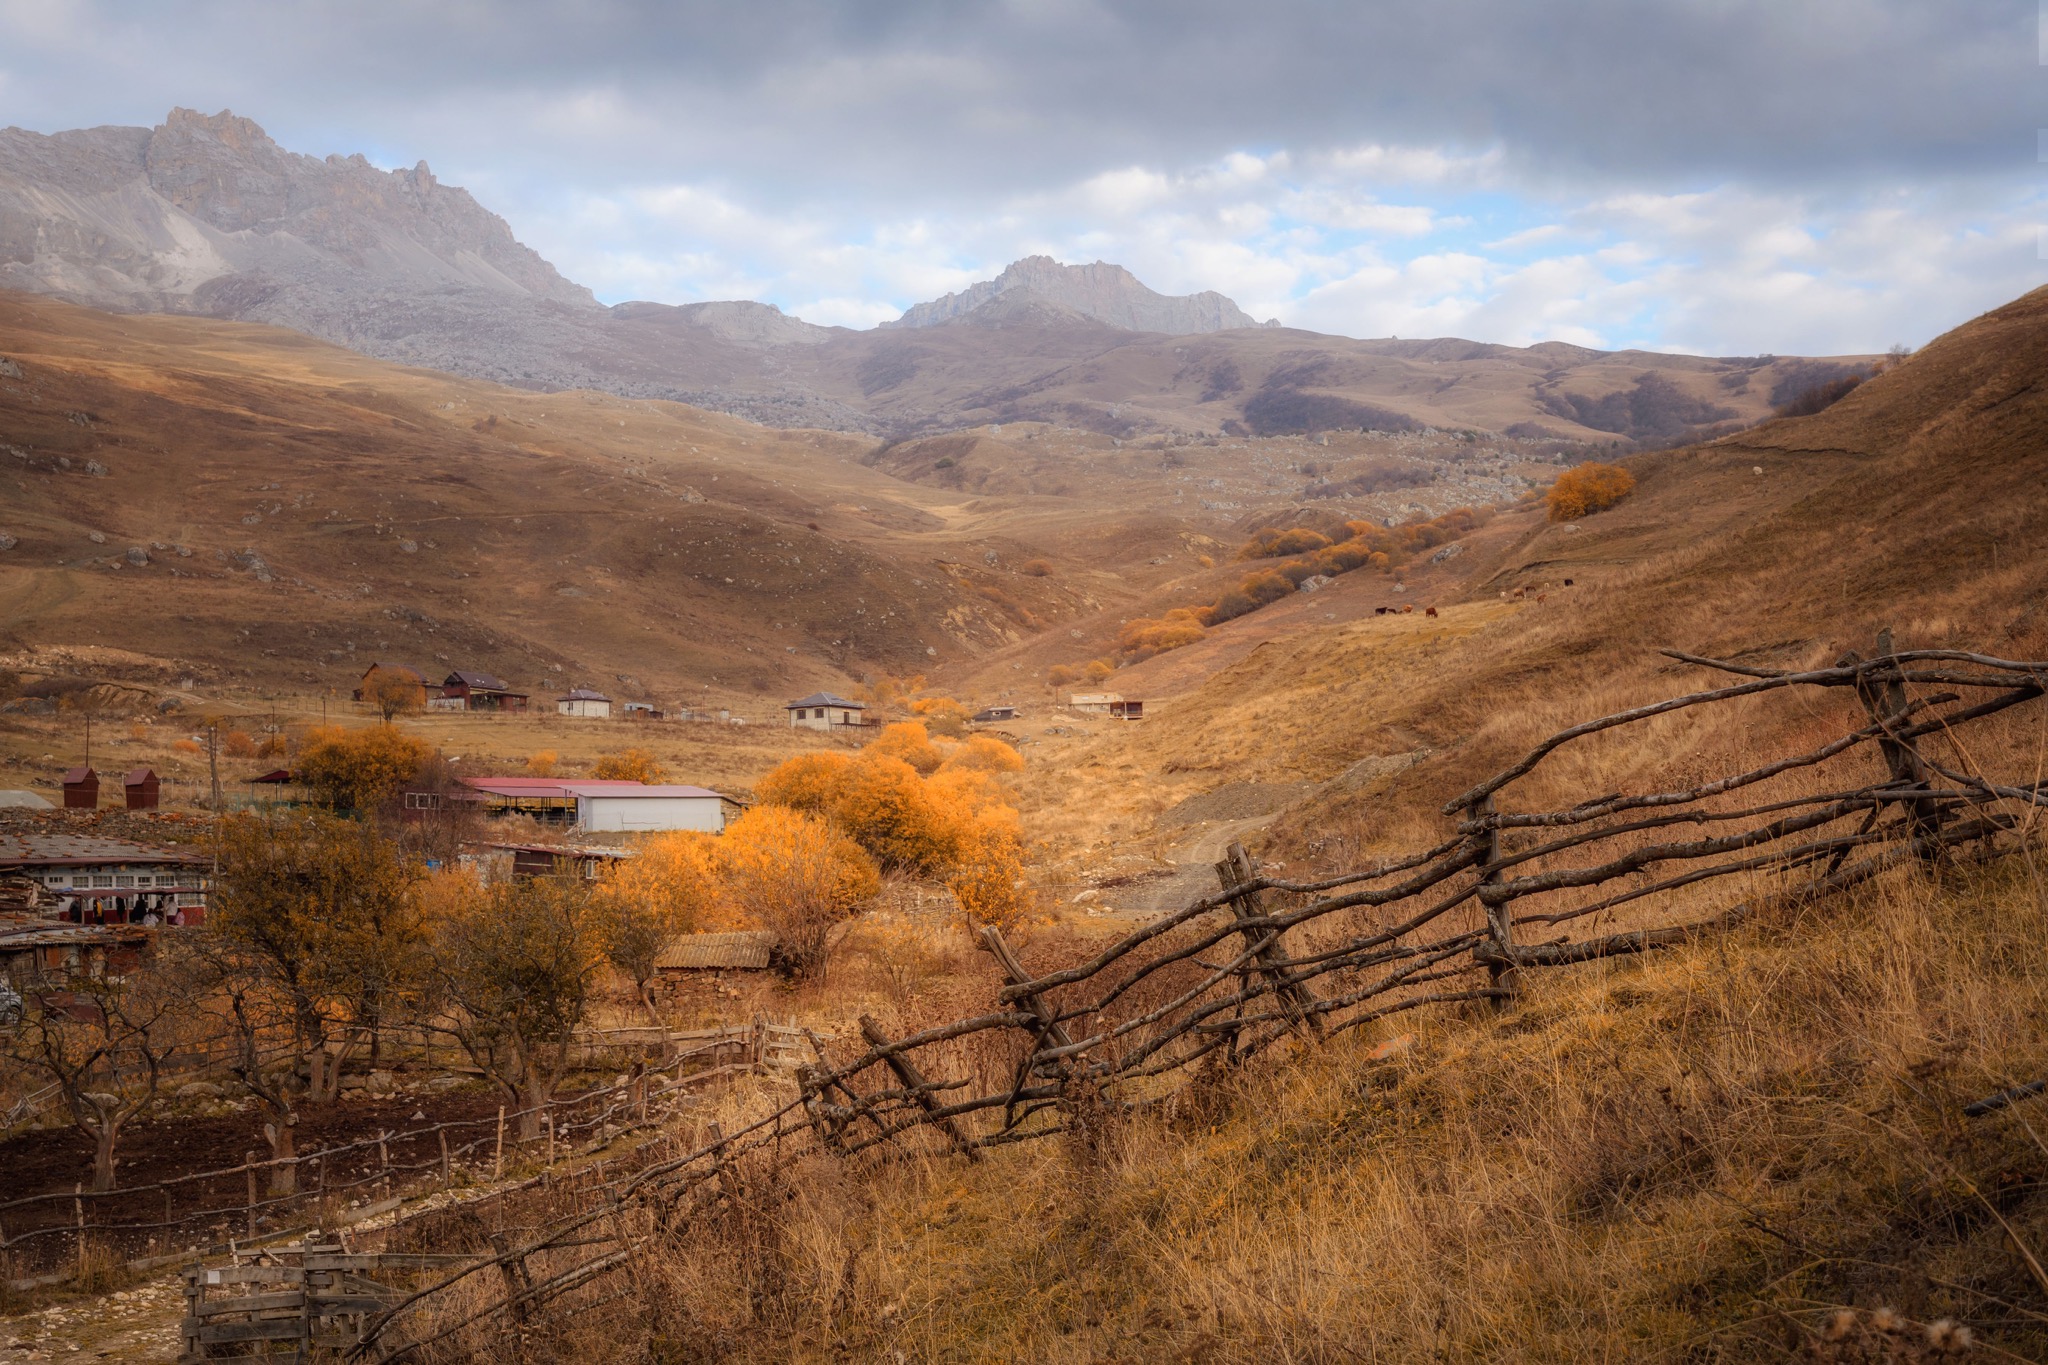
[(88, 739)]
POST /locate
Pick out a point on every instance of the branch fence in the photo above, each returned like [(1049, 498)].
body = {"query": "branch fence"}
[(1267, 961)]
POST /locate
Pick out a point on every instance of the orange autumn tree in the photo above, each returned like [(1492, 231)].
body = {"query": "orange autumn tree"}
[(795, 876), (1588, 488), (352, 770), (669, 887)]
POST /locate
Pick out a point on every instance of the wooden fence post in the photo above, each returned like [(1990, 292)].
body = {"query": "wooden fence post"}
[(1500, 911), (78, 1217), (997, 947), (913, 1080), (1887, 704), (498, 1161), (1295, 999), (383, 1164), (249, 1167), (442, 1133), (548, 1118)]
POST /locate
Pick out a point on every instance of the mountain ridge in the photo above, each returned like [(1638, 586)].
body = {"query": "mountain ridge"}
[(1100, 290)]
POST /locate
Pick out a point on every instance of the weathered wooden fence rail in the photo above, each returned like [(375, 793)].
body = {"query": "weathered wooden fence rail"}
[(1509, 891)]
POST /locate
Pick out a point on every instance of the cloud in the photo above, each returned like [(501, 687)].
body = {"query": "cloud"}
[(1706, 174)]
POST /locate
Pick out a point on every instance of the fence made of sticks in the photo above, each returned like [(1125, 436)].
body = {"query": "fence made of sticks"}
[(1910, 771), (49, 1232)]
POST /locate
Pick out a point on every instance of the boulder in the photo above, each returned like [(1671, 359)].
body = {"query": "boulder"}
[(199, 1090), (8, 542), (381, 1083), (137, 556)]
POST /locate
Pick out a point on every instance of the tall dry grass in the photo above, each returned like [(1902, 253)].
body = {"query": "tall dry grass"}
[(1704, 1156)]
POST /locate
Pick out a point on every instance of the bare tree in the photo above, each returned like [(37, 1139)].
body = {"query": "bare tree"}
[(104, 1042), (514, 969)]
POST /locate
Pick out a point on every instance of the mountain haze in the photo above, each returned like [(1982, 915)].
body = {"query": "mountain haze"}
[(1108, 293), (208, 215)]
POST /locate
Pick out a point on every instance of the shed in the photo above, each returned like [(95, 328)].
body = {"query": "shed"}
[(823, 710), (81, 789), (616, 807), (641, 710), (481, 692), (989, 714), (1107, 704), (745, 950), (141, 787), (581, 701)]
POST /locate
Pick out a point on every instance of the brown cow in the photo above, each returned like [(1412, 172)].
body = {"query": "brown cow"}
[(1430, 612), (1567, 582), (1408, 610), (1542, 597)]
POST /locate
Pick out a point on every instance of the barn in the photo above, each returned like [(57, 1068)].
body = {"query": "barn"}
[(614, 807), (481, 692)]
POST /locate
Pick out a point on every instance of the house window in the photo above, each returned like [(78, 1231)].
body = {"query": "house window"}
[(423, 800), (124, 880), (102, 881)]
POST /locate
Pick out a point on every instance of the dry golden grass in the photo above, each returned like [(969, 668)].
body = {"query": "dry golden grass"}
[(1698, 1157)]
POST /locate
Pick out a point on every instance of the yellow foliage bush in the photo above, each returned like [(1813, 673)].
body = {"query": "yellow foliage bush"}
[(795, 876), (941, 715), (359, 769), (884, 805), (1144, 637), (1062, 675), (985, 753), (910, 741), (542, 764), (628, 765), (1588, 488), (237, 744), (807, 782)]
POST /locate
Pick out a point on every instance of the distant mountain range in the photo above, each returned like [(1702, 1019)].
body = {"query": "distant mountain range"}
[(206, 214)]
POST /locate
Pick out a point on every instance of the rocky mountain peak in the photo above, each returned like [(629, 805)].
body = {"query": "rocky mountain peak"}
[(1101, 290)]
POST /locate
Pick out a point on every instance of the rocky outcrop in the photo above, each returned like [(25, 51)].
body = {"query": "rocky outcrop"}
[(1107, 293)]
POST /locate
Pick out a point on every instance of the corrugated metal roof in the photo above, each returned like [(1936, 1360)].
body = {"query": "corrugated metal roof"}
[(74, 775), (36, 850), (137, 776), (746, 950), (824, 699), (582, 694), (633, 790)]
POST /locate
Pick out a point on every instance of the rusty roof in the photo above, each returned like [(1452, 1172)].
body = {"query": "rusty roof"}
[(745, 950), (73, 850), (75, 775)]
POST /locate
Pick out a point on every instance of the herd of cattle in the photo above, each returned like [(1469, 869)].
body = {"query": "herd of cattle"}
[(1517, 594)]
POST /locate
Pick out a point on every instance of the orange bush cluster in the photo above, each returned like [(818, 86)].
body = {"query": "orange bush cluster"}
[(1588, 488), (919, 804), (1368, 546)]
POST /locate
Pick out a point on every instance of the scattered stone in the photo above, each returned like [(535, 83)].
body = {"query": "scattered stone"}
[(137, 556), (441, 1085), (199, 1090), (169, 704), (8, 542), (96, 537), (1450, 551), (96, 469), (382, 1083), (8, 369), (410, 547)]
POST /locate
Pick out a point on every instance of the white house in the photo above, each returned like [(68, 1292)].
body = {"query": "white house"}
[(581, 701), (822, 711), (614, 807)]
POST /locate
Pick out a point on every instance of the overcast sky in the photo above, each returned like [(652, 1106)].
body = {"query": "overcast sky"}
[(1723, 176)]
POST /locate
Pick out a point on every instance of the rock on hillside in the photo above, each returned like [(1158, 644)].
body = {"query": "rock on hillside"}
[(1108, 293)]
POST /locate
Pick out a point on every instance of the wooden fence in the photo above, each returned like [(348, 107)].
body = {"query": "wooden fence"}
[(50, 1232), (298, 1302), (1267, 960)]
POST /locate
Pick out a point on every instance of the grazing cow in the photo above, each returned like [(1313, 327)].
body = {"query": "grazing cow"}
[(1521, 593), (1542, 597), (1430, 612), (1379, 611), (1408, 610), (1567, 582)]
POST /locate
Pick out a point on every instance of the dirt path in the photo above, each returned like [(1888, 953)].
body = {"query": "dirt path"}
[(139, 1324), (1194, 873)]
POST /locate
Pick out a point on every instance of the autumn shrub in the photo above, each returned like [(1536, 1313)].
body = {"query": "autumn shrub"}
[(189, 747), (941, 715), (1588, 488), (909, 741), (1146, 636), (985, 753), (882, 802), (542, 763), (359, 769), (1276, 543), (807, 782), (988, 879), (628, 765), (1097, 671), (1037, 568), (237, 744), (1062, 675), (670, 886), (795, 876)]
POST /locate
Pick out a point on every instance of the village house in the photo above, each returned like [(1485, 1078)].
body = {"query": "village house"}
[(109, 881), (479, 692), (641, 710), (1107, 704), (991, 714), (822, 711), (581, 701)]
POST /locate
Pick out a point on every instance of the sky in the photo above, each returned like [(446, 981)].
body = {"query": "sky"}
[(1727, 177)]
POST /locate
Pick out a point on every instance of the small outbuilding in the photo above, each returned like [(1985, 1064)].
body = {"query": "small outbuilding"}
[(581, 701), (740, 951), (989, 715), (823, 711), (641, 710), (1110, 704), (481, 692), (142, 788), (81, 789)]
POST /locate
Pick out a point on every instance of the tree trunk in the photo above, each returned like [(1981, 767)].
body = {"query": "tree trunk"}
[(280, 1132), (533, 1097), (103, 1138), (654, 1016)]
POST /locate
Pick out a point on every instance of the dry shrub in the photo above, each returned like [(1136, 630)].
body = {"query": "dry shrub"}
[(189, 747), (628, 765), (1144, 637), (238, 744), (359, 769), (1276, 543), (542, 763), (1037, 568), (1588, 488)]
